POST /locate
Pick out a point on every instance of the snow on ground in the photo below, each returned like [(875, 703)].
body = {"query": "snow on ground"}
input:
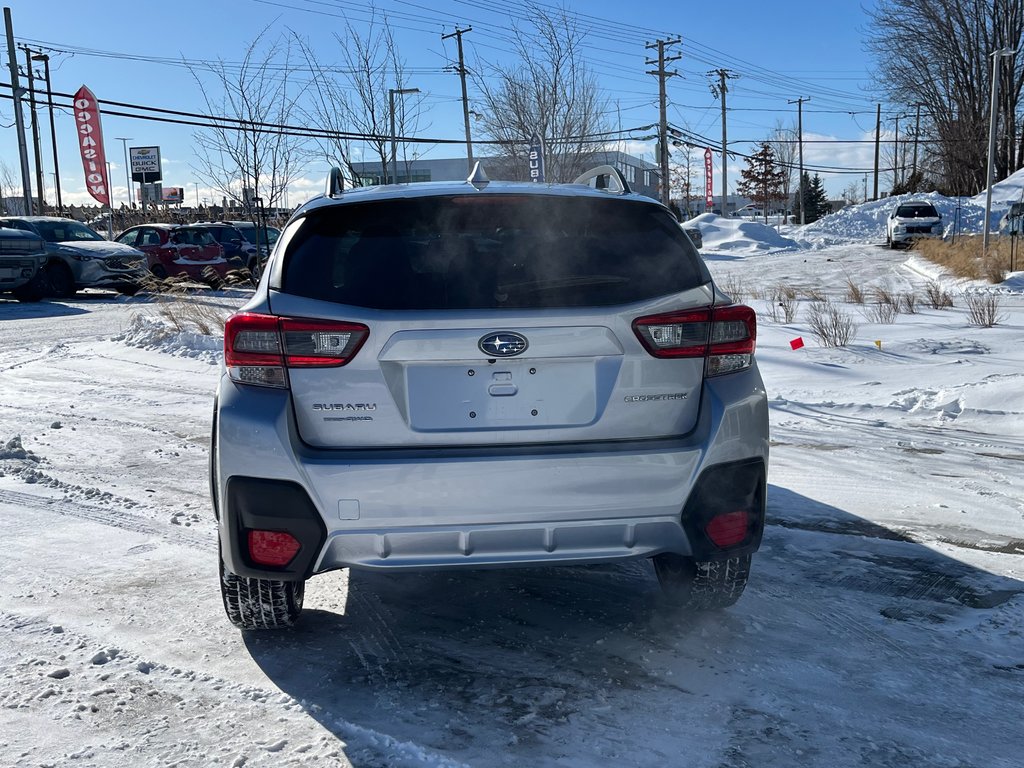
[(882, 627)]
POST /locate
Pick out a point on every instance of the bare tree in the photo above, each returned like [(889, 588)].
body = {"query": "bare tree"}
[(247, 153), (550, 91), (937, 54), (783, 141), (356, 99), (9, 188)]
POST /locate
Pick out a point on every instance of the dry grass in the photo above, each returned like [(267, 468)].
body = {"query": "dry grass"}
[(963, 258), (854, 293), (179, 301), (908, 302)]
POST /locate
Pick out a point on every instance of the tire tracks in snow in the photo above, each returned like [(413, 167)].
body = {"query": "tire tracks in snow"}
[(112, 517)]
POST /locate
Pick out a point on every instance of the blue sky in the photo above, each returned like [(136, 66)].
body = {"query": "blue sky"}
[(803, 48)]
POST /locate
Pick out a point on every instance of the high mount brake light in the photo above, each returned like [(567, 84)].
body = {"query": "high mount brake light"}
[(259, 348), (724, 336)]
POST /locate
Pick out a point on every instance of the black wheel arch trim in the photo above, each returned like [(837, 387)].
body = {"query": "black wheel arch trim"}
[(277, 505), (723, 488)]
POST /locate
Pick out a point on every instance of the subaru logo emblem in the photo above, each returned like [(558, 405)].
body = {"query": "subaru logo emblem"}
[(504, 344)]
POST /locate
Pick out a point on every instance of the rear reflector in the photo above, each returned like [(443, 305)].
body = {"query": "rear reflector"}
[(729, 529), (725, 336), (276, 548), (259, 348)]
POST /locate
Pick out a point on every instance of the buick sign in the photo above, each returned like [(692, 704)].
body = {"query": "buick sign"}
[(504, 344)]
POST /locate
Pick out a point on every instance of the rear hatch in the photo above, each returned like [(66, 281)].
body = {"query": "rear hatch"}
[(492, 318)]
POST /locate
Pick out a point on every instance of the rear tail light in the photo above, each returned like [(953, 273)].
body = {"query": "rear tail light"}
[(724, 336), (258, 349)]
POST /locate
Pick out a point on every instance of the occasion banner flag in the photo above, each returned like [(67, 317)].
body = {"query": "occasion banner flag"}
[(709, 195), (536, 158), (90, 142)]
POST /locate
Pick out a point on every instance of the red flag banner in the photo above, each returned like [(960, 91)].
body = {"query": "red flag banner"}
[(90, 142)]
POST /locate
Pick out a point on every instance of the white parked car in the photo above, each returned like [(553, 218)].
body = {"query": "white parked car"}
[(912, 221)]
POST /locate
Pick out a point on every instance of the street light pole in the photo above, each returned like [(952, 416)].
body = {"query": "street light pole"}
[(392, 92), (127, 169), (53, 132), (992, 120)]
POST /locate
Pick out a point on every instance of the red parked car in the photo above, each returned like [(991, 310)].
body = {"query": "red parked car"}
[(174, 249)]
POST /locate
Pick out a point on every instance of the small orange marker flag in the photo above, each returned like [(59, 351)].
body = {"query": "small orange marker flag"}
[(878, 343), (797, 342)]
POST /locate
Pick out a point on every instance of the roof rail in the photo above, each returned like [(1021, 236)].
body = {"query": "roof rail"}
[(606, 177), (478, 178), (335, 183)]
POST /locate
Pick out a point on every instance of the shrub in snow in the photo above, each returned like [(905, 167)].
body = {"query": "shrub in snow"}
[(782, 304), (830, 325), (937, 297), (983, 309), (908, 302), (854, 293)]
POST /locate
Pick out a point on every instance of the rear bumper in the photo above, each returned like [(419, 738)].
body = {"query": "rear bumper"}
[(491, 506)]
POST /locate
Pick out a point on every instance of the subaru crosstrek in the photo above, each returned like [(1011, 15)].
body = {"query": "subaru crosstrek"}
[(484, 375)]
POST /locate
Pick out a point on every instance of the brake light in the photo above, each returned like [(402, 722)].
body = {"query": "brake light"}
[(724, 336), (259, 348)]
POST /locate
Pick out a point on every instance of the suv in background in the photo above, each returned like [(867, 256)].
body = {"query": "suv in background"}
[(484, 374), (77, 257), (22, 256), (260, 241), (911, 221)]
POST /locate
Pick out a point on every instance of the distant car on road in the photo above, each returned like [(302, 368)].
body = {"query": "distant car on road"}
[(22, 257), (178, 250), (912, 221), (78, 258)]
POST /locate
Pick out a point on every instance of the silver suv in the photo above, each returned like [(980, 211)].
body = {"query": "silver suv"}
[(475, 375)]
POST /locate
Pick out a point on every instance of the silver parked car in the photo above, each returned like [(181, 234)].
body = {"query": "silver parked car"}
[(77, 257), (475, 375)]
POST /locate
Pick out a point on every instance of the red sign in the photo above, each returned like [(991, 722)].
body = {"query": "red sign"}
[(709, 195), (90, 142)]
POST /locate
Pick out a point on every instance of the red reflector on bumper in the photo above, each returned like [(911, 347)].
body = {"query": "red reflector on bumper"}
[(729, 529), (275, 548)]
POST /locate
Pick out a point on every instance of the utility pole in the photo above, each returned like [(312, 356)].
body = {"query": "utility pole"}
[(19, 120), (53, 131), (993, 118), (127, 171), (800, 144), (896, 154), (662, 108), (878, 145), (917, 131), (36, 146), (461, 70), (719, 91)]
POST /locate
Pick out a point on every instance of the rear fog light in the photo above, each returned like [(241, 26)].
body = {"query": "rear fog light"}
[(729, 529), (274, 548)]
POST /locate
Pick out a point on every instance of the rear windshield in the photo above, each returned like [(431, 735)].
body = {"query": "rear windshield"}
[(490, 252), (917, 212)]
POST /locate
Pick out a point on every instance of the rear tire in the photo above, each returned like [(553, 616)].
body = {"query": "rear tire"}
[(260, 603), (702, 585)]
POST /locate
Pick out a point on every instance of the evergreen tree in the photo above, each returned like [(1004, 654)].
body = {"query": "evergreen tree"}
[(815, 196), (763, 180)]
